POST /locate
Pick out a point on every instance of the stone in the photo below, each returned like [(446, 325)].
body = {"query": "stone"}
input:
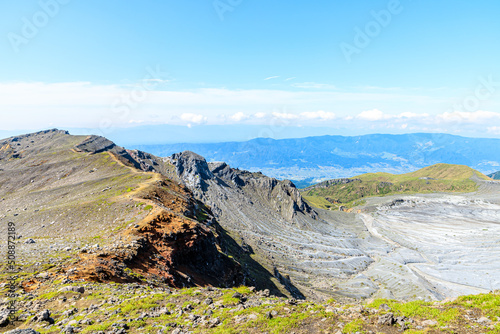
[(484, 321), (22, 331), (428, 323), (4, 318), (386, 319), (79, 289), (68, 330), (42, 316)]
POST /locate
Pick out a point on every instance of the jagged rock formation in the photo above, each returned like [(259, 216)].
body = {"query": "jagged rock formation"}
[(306, 254), (282, 196)]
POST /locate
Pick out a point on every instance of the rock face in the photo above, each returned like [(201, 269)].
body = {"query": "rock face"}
[(192, 169), (282, 196)]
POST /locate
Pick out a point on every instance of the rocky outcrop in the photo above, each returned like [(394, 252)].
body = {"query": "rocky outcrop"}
[(282, 196), (97, 144), (192, 169)]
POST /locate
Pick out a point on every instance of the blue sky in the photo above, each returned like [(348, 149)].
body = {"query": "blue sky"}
[(353, 67)]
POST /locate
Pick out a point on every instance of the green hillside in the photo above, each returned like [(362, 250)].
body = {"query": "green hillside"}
[(352, 191)]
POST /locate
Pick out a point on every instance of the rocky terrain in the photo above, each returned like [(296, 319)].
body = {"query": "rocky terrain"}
[(133, 308), (113, 240)]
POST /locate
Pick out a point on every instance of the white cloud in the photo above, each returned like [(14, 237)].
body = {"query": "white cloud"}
[(377, 115), (411, 115), (285, 115), (320, 114), (373, 115), (238, 117), (273, 77), (194, 118), (35, 105)]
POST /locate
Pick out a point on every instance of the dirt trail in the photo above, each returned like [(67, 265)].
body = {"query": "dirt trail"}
[(155, 177)]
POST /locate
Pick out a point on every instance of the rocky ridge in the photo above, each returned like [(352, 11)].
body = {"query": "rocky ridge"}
[(77, 190)]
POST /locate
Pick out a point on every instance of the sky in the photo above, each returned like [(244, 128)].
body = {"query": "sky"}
[(342, 67)]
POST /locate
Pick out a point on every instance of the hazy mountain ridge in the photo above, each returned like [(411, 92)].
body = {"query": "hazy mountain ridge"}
[(495, 176), (314, 159)]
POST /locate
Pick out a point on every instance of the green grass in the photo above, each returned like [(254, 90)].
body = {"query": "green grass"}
[(353, 326), (488, 303), (436, 178), (419, 309), (97, 327)]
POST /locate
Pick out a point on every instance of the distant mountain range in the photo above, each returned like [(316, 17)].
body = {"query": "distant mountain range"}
[(314, 159), (495, 176)]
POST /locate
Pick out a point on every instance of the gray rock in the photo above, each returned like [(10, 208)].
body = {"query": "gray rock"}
[(42, 316), (4, 318), (484, 321), (386, 319), (68, 330), (22, 331), (79, 289), (427, 323)]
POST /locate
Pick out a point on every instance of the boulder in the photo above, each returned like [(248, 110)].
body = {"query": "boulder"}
[(386, 319), (79, 289)]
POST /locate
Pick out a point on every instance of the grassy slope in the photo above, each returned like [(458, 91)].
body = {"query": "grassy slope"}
[(436, 178)]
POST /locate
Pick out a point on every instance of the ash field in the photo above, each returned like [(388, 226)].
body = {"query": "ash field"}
[(438, 245)]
